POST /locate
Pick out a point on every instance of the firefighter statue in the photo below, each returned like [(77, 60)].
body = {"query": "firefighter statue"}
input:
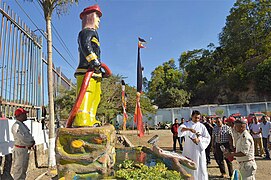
[(89, 53), (84, 147)]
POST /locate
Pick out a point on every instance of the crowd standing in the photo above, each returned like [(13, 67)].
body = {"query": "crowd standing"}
[(227, 138)]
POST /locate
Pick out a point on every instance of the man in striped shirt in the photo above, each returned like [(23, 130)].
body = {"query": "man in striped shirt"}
[(222, 138)]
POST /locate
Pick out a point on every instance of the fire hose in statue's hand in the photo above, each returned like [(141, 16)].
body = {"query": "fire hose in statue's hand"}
[(82, 93)]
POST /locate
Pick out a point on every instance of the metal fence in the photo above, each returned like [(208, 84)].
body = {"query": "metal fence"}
[(23, 67)]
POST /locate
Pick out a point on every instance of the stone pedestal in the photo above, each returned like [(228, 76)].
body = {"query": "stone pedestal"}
[(85, 152)]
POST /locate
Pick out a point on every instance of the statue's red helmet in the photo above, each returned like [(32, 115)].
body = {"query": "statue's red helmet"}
[(90, 9)]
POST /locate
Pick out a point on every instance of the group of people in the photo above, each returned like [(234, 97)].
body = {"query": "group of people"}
[(227, 138), (260, 132)]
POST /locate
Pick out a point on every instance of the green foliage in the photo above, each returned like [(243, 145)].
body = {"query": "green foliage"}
[(166, 86), (60, 6), (263, 76), (247, 27), (141, 171), (202, 72), (64, 101), (219, 112), (111, 103), (238, 78), (173, 97)]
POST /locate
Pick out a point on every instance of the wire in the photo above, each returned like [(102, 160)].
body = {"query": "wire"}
[(58, 36), (64, 44), (44, 35)]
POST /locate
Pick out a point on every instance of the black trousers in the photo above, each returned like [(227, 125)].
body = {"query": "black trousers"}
[(7, 167), (219, 157), (175, 138), (182, 139), (207, 152), (265, 146)]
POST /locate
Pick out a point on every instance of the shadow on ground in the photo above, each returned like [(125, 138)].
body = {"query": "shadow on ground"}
[(216, 177)]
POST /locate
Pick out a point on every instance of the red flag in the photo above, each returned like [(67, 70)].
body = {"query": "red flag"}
[(138, 116)]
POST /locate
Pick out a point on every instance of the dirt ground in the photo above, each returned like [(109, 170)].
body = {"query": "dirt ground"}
[(165, 142)]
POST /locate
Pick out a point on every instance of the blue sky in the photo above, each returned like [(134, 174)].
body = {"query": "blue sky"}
[(170, 27)]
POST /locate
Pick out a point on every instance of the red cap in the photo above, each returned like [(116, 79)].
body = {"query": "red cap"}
[(231, 119), (90, 9), (20, 111)]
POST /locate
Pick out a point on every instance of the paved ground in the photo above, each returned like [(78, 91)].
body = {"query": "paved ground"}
[(165, 142)]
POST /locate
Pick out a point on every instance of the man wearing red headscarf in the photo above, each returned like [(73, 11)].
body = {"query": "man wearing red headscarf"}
[(23, 141)]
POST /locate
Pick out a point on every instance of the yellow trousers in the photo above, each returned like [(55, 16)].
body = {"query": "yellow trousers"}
[(86, 115)]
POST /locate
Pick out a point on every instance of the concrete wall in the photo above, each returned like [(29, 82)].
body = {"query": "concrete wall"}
[(169, 114)]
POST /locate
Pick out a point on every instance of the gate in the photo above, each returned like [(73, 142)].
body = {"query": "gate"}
[(23, 67)]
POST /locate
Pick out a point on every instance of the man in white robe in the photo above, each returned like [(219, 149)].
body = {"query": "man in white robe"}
[(197, 139)]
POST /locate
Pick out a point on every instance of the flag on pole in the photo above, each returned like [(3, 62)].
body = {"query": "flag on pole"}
[(138, 113), (123, 100)]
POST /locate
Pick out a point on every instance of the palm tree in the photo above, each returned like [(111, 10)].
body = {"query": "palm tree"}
[(49, 6)]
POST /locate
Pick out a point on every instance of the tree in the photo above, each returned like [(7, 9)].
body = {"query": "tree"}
[(245, 42), (166, 87), (65, 101), (201, 69), (110, 104), (263, 76), (48, 7), (246, 32)]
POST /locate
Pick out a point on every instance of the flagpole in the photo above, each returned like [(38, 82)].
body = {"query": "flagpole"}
[(138, 114), (138, 72)]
